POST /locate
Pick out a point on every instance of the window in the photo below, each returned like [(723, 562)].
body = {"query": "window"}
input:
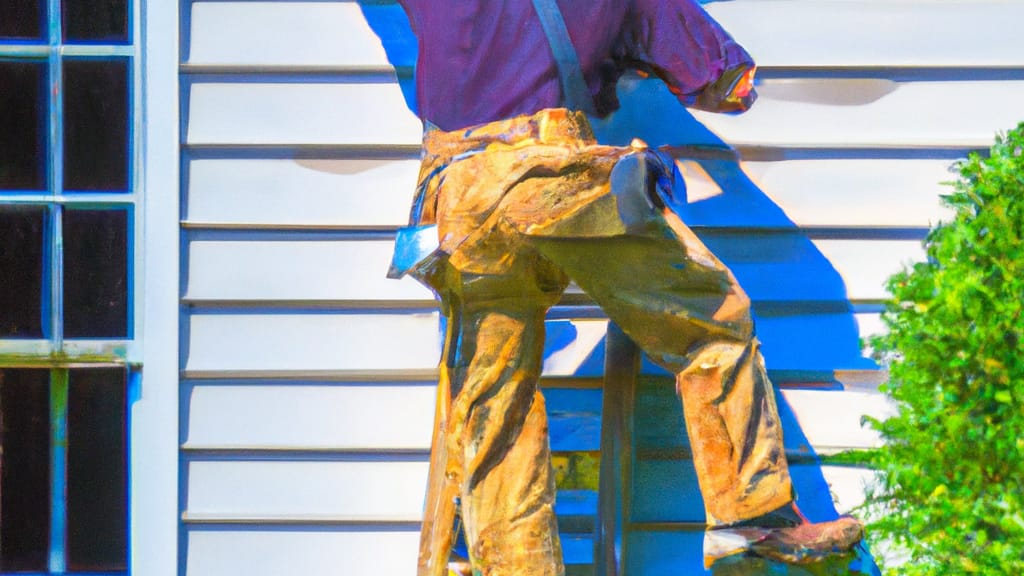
[(68, 351)]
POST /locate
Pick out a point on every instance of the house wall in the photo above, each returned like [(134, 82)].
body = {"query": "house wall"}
[(307, 378)]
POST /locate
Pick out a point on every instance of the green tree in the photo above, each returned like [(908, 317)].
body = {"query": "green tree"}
[(950, 491)]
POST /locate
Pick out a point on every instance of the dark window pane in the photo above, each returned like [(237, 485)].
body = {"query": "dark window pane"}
[(95, 20), (24, 469), (23, 116), (97, 494), (21, 265), (95, 273), (96, 124), (23, 19)]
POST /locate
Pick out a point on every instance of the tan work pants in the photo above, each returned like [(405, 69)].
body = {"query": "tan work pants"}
[(522, 206)]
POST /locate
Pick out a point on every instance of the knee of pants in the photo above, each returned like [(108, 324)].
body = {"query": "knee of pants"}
[(715, 368)]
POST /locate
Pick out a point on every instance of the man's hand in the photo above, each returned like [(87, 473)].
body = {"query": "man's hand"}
[(732, 92)]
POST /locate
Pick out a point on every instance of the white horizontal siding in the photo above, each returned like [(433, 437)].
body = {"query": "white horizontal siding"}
[(308, 491), (831, 420), (870, 325), (848, 486), (865, 265), (238, 433), (794, 112), (299, 192), (298, 344), (303, 113), (805, 112), (876, 32), (310, 416), (282, 33), (269, 552), (376, 193), (297, 270), (345, 417), (306, 552), (294, 342), (312, 492), (855, 192), (777, 32), (354, 270)]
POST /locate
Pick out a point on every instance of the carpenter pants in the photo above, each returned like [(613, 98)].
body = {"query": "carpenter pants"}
[(521, 207)]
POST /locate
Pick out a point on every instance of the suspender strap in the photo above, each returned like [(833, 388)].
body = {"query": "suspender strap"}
[(570, 75)]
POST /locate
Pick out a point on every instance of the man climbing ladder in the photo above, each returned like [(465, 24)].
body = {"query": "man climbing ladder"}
[(515, 198)]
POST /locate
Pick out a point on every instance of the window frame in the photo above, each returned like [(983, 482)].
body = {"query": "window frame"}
[(151, 417), (53, 350)]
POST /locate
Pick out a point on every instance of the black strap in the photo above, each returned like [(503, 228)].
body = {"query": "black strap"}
[(574, 87)]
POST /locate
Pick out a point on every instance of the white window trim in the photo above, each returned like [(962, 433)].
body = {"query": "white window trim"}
[(153, 489), (153, 436)]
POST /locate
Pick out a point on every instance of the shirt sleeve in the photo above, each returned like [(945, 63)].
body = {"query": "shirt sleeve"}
[(698, 60)]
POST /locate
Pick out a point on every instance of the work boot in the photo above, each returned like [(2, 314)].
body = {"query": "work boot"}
[(784, 535), (810, 541)]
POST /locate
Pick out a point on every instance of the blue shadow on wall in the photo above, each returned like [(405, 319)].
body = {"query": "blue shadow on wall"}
[(803, 318)]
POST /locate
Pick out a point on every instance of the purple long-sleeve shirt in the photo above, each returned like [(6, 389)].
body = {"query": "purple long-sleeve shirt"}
[(484, 60)]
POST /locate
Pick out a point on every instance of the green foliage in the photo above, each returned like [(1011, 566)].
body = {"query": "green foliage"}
[(951, 476)]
